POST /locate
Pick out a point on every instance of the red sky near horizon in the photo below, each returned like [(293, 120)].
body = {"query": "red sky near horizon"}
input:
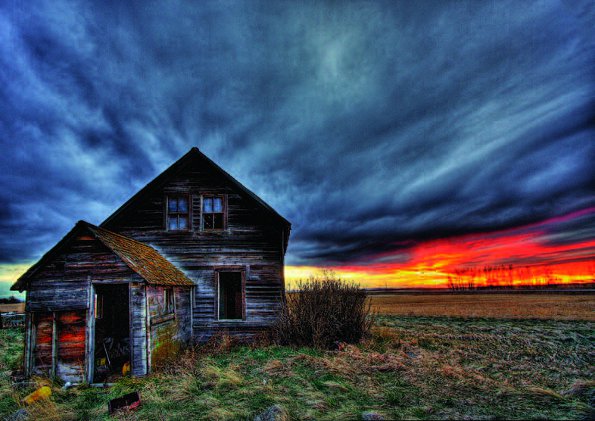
[(557, 250)]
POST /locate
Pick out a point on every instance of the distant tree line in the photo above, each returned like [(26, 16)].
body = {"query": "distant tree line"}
[(501, 277), (10, 300)]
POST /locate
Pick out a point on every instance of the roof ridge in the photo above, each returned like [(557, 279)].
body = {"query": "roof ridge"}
[(194, 151), (141, 258)]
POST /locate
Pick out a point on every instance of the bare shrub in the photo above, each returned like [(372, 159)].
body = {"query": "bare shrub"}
[(220, 342), (323, 312)]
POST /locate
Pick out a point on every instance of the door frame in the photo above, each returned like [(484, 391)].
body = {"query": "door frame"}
[(230, 269), (90, 348)]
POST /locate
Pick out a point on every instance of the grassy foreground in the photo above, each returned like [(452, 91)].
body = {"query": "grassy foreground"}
[(414, 368)]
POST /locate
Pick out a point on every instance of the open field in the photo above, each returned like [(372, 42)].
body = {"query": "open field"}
[(413, 367), (18, 307), (513, 305), (493, 305)]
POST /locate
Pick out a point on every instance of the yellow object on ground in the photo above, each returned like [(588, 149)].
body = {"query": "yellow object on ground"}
[(126, 368), (43, 392)]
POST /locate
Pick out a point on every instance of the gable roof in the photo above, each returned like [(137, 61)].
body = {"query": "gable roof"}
[(195, 153), (141, 258)]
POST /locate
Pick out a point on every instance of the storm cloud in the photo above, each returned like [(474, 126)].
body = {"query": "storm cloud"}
[(370, 126)]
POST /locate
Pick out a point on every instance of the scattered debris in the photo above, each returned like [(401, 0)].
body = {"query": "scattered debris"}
[(411, 354), (273, 413), (126, 369), (127, 402), (19, 380), (43, 392)]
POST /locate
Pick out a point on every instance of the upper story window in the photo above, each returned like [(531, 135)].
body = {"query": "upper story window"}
[(213, 213), (178, 213)]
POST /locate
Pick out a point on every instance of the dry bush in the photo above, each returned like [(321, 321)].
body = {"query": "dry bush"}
[(324, 312), (220, 342)]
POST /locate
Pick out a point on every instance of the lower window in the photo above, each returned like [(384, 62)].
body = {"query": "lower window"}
[(231, 296)]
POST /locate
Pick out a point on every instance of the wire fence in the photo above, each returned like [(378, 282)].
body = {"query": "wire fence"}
[(12, 320)]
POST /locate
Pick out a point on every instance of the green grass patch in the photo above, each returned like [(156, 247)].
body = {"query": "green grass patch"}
[(412, 368)]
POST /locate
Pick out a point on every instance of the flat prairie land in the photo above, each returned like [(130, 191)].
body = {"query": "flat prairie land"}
[(18, 307), (447, 356), (409, 368), (555, 306)]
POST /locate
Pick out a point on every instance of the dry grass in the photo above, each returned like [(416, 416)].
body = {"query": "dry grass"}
[(408, 368), (18, 307), (505, 306), (475, 365)]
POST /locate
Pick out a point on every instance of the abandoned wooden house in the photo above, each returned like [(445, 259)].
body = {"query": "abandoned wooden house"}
[(192, 253)]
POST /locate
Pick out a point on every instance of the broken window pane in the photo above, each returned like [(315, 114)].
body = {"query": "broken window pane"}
[(213, 212), (217, 221), (208, 221)]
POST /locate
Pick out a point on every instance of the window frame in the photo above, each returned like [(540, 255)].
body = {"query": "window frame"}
[(169, 214), (169, 301), (223, 198), (218, 293)]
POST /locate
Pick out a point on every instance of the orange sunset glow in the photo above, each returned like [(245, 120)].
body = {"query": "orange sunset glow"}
[(525, 256)]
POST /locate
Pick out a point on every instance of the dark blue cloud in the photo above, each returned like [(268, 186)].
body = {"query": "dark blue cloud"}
[(368, 125)]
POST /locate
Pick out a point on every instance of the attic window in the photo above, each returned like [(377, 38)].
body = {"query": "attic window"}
[(178, 213), (213, 212)]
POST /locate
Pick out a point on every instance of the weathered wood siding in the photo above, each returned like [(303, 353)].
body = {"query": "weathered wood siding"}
[(64, 283), (43, 324), (70, 331), (59, 344), (253, 240), (184, 314), (169, 332), (58, 300), (138, 329)]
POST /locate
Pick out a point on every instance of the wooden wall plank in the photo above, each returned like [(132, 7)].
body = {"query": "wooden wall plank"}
[(252, 239)]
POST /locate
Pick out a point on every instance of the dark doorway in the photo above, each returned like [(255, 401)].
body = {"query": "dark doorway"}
[(231, 296), (112, 331)]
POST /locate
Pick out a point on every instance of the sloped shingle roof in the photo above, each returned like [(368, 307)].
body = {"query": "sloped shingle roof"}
[(141, 258)]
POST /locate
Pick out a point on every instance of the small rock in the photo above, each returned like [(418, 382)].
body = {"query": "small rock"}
[(273, 413), (372, 416), (18, 415)]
